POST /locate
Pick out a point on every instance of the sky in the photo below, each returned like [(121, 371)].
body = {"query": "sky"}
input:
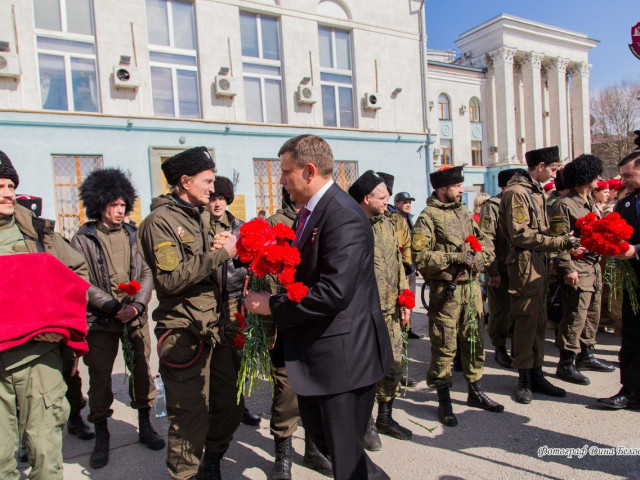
[(608, 21)]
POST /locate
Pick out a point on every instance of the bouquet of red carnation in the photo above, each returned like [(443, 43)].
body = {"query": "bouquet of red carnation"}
[(267, 251), (407, 299), (474, 243), (130, 289), (472, 313)]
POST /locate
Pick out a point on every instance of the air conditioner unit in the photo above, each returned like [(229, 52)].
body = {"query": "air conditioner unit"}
[(493, 149), (372, 101), (437, 152), (463, 109), (226, 86), (307, 94), (126, 76), (431, 104), (9, 65)]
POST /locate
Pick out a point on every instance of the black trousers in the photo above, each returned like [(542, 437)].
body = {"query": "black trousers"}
[(336, 424), (630, 351)]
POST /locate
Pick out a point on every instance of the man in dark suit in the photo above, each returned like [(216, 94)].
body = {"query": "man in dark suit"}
[(336, 345), (629, 208)]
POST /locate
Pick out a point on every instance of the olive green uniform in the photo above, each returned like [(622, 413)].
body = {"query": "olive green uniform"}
[(524, 221), (580, 303), (500, 324), (33, 406), (176, 242), (391, 280), (438, 244), (404, 240)]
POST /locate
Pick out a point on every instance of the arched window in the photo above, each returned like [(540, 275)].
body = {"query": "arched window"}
[(474, 110), (445, 107)]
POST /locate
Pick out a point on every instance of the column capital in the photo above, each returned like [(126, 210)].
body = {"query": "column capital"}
[(503, 54), (559, 64), (534, 59), (580, 68)]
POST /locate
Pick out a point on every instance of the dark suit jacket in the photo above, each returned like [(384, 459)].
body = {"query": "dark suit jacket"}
[(335, 340), (626, 207)]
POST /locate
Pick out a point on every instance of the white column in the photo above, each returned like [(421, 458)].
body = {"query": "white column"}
[(581, 126), (532, 79), (558, 105), (505, 114)]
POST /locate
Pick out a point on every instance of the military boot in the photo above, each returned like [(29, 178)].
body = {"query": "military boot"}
[(386, 425), (539, 384), (249, 418), (523, 391), (478, 399), (147, 434), (502, 358), (282, 463), (314, 459), (567, 370), (100, 455), (623, 399), (445, 410), (586, 360), (209, 468), (371, 438), (78, 427), (408, 382)]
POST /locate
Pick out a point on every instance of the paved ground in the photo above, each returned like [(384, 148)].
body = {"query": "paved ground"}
[(484, 445)]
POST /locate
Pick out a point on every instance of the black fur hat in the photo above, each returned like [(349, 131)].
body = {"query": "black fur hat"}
[(365, 184), (582, 170), (34, 204), (446, 176), (505, 175), (560, 182), (637, 140), (388, 180), (104, 186), (7, 170), (190, 162), (542, 155), (224, 188)]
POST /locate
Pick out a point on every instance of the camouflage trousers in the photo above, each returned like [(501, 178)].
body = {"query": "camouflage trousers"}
[(388, 386), (449, 329)]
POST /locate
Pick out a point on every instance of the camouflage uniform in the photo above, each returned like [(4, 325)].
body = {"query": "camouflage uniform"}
[(391, 280), (437, 247)]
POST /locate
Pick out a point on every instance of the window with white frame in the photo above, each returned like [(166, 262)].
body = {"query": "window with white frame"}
[(336, 77), (447, 152), (474, 110), (173, 58), (444, 107), (66, 50), (262, 67)]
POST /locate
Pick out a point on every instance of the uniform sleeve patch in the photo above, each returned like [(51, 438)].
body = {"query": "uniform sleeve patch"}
[(519, 213), (557, 226), (419, 242), (167, 257)]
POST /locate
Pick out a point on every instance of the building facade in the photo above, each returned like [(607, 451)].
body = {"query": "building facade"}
[(128, 83)]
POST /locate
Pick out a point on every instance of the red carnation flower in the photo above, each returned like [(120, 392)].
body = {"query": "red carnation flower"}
[(297, 291), (407, 299), (239, 340), (135, 285), (287, 276), (242, 323), (473, 242), (282, 232)]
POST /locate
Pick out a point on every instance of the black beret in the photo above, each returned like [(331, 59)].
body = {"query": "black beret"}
[(505, 175), (388, 180), (446, 176), (104, 186), (364, 185), (30, 202), (542, 155), (7, 170), (223, 188), (190, 162), (582, 170)]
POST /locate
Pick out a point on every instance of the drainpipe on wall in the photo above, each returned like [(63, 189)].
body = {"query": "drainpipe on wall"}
[(425, 104)]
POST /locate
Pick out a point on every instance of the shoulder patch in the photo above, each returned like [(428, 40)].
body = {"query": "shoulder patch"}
[(519, 213), (167, 257), (557, 225), (419, 242)]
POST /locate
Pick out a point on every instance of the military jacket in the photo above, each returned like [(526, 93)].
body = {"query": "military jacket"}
[(176, 241), (439, 236), (283, 215), (490, 228), (564, 214), (404, 236), (230, 276), (387, 262), (553, 198)]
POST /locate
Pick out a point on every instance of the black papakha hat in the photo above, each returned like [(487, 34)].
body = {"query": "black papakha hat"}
[(7, 170), (446, 176), (365, 184), (545, 155), (190, 162), (505, 175), (30, 202), (402, 196), (582, 170), (104, 186), (388, 180), (223, 188)]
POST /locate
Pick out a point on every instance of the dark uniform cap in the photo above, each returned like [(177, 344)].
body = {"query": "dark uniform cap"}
[(7, 170), (388, 180), (402, 196), (32, 203), (224, 188), (505, 175), (446, 176), (365, 184), (190, 162), (542, 155)]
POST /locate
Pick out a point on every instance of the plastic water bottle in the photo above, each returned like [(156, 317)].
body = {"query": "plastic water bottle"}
[(160, 408)]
